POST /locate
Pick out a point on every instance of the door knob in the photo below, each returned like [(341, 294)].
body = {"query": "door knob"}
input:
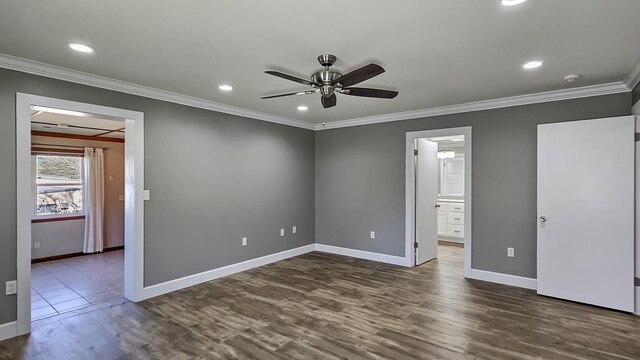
[(438, 205), (543, 219)]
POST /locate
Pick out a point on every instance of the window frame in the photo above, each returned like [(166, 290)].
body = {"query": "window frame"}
[(35, 218), (443, 176)]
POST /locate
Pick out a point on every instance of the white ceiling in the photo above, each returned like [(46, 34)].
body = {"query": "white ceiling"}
[(77, 125), (436, 53)]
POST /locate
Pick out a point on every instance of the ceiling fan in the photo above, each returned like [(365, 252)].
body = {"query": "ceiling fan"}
[(328, 82)]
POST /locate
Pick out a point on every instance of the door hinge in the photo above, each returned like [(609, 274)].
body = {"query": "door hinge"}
[(415, 152), (415, 245)]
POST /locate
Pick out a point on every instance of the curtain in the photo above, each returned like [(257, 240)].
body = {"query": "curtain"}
[(93, 199)]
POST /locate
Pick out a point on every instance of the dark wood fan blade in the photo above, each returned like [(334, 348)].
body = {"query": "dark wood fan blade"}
[(328, 102), (374, 93), (289, 94), (359, 75), (289, 77)]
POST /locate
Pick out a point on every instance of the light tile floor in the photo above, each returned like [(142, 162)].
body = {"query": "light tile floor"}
[(64, 285)]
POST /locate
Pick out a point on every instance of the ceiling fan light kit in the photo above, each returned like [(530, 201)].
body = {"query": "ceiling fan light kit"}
[(328, 82)]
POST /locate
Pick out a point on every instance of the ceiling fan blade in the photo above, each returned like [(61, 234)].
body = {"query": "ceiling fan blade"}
[(366, 92), (359, 75), (289, 77), (328, 102), (290, 94)]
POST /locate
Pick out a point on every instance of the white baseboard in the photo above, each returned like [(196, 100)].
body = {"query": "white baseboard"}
[(360, 254), (505, 279), (8, 330), (195, 279)]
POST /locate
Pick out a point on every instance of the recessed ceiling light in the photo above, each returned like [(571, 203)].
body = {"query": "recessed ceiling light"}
[(225, 87), (571, 78), (83, 48), (303, 108), (512, 2), (532, 64)]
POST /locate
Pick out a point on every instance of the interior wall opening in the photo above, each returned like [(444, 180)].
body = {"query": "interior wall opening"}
[(438, 191), (63, 199), (77, 223)]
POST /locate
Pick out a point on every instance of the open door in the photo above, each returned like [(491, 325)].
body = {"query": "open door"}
[(586, 211), (426, 201)]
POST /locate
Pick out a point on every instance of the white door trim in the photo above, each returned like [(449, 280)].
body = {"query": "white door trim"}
[(134, 188), (410, 191)]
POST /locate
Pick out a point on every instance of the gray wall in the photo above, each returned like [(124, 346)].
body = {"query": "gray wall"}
[(213, 177), (360, 180)]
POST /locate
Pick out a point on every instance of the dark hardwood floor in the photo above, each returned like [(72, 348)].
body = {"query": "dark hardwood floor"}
[(321, 306)]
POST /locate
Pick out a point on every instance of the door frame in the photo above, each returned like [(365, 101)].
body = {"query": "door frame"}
[(410, 190), (134, 201)]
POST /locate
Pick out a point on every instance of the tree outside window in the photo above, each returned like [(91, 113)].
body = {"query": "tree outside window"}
[(59, 185)]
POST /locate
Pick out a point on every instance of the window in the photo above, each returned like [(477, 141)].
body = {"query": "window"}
[(58, 185), (452, 176)]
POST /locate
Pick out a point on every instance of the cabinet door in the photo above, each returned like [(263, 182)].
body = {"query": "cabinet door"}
[(442, 223)]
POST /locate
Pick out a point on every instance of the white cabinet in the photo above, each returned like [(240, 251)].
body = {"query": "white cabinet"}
[(442, 223), (451, 220)]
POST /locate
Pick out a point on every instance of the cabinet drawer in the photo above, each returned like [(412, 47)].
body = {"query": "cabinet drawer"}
[(457, 207), (443, 207), (455, 230), (455, 218)]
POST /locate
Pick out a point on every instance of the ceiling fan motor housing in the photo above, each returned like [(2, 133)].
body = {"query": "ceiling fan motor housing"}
[(325, 78)]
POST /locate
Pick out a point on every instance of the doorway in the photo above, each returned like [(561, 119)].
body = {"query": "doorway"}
[(133, 125), (438, 195), (77, 224)]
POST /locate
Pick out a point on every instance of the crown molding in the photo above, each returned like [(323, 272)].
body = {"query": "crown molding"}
[(79, 77), (634, 76), (556, 95)]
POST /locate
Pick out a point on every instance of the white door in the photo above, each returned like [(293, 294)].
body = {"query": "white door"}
[(426, 201), (586, 211)]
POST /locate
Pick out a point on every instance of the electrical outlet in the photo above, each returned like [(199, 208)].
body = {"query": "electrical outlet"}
[(11, 287), (146, 195), (110, 178), (36, 244), (372, 234), (121, 197), (244, 241), (281, 232), (510, 252), (294, 230)]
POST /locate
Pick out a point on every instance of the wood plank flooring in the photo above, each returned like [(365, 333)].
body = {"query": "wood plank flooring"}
[(321, 306)]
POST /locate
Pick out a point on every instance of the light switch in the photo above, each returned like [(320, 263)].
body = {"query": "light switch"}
[(146, 195)]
